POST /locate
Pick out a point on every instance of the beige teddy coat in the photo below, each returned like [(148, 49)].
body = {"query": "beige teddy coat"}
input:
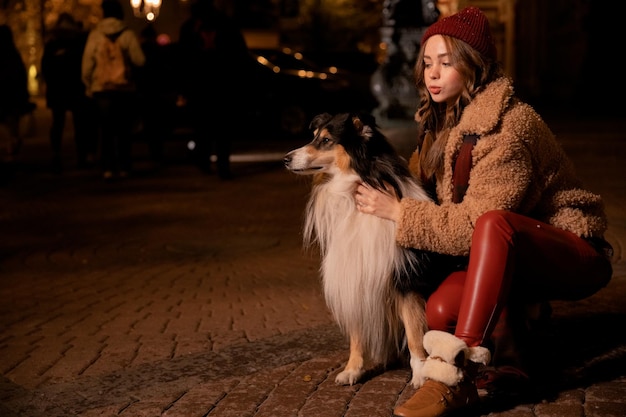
[(517, 165)]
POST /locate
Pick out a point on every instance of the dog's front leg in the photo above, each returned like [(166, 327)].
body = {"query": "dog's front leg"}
[(412, 312), (354, 369)]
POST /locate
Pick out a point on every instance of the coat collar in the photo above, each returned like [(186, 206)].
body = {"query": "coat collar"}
[(485, 111)]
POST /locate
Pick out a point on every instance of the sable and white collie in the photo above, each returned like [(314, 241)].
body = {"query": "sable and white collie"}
[(374, 288)]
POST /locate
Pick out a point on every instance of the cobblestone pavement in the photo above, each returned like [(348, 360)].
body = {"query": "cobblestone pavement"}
[(173, 293)]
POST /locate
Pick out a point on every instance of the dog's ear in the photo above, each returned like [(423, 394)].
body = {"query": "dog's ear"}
[(367, 119), (364, 124), (320, 120)]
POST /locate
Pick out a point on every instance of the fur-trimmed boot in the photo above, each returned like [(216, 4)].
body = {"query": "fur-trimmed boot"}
[(447, 377)]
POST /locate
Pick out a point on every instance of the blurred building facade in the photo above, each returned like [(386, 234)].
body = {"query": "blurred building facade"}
[(550, 47)]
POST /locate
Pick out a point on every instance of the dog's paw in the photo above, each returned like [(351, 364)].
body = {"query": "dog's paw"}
[(416, 367), (348, 377), (416, 381)]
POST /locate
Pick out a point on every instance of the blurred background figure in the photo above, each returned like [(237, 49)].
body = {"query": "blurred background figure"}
[(156, 84), (217, 66), (113, 89), (14, 97), (65, 91)]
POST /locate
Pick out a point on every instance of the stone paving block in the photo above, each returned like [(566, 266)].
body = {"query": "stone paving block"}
[(244, 399), (183, 324), (186, 345), (153, 322), (330, 399), (32, 371), (16, 350), (611, 391), (289, 397), (79, 356), (605, 409), (518, 411), (378, 395), (200, 399), (116, 353), (152, 349), (143, 409), (101, 412), (559, 410)]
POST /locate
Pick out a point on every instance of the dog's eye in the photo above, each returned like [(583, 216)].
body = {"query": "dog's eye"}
[(326, 140)]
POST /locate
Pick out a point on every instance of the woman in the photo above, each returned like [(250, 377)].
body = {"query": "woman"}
[(504, 189)]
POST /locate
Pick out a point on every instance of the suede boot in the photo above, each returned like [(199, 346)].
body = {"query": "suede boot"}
[(437, 399), (447, 380)]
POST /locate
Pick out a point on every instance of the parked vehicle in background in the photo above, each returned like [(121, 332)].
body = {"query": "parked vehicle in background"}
[(290, 89), (286, 91)]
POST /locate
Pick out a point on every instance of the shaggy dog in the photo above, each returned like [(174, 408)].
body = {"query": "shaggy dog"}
[(374, 288)]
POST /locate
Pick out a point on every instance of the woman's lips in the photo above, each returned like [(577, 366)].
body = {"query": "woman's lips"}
[(434, 90)]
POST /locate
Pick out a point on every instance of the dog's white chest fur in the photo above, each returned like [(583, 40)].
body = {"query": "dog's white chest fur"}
[(356, 267)]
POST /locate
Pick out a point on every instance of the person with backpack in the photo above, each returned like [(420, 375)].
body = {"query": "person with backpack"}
[(110, 61)]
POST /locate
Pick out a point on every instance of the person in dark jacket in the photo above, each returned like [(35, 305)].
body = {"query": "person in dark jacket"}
[(217, 62), (14, 96), (65, 91)]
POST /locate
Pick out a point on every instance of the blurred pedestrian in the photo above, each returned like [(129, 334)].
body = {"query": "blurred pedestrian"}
[(156, 84), (216, 63), (65, 91), (14, 97), (109, 66)]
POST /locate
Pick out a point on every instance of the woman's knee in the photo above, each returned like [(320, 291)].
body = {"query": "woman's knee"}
[(442, 307), (493, 218)]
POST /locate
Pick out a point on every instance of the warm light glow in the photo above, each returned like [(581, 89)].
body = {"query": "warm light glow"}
[(33, 83), (164, 39), (146, 8)]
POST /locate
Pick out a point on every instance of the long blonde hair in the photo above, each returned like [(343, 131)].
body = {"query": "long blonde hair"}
[(436, 119)]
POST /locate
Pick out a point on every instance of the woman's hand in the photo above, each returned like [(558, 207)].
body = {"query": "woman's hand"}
[(384, 204)]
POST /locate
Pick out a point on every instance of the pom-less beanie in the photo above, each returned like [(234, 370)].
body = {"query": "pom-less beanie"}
[(469, 25)]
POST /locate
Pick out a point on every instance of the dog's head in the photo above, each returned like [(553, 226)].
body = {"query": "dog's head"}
[(347, 143)]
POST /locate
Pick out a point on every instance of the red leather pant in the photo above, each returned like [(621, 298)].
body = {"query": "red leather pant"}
[(514, 256)]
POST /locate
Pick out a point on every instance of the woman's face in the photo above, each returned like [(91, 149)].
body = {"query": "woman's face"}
[(443, 81)]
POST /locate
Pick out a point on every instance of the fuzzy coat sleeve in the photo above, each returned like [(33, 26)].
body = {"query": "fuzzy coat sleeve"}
[(517, 165)]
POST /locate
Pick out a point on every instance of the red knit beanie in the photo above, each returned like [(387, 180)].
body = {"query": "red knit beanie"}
[(469, 25)]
